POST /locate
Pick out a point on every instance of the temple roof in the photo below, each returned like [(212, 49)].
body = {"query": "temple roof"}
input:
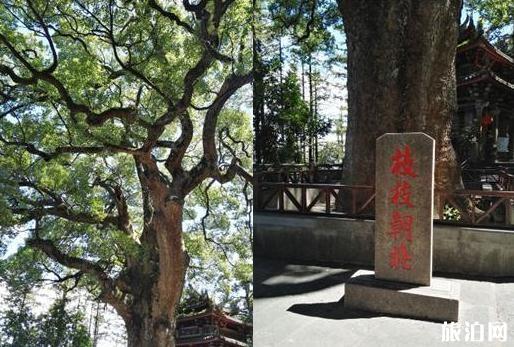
[(203, 306), (212, 311), (482, 43), (485, 76), (472, 37), (479, 61)]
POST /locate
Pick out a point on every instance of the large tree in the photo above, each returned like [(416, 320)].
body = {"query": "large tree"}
[(401, 78), (108, 121)]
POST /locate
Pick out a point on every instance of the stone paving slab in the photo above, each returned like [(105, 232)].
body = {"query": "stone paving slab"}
[(300, 305)]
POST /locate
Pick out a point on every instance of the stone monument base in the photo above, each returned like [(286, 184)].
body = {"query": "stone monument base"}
[(437, 302)]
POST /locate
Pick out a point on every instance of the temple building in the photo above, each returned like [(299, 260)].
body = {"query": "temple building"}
[(483, 131), (206, 325)]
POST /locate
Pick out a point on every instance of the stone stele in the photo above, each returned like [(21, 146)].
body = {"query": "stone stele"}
[(402, 283), (405, 168)]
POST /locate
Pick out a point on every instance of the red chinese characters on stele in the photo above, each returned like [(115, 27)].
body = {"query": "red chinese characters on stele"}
[(401, 222)]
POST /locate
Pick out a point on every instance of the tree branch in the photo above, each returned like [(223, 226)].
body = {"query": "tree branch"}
[(85, 266), (92, 118), (178, 148), (171, 16), (207, 167), (47, 156), (123, 218)]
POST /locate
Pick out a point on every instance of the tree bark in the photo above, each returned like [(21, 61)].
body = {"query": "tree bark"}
[(157, 281), (401, 78), (152, 315)]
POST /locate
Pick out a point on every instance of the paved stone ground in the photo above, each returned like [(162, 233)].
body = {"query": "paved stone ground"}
[(300, 305)]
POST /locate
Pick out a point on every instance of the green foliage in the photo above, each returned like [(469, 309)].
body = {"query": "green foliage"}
[(288, 121), (21, 272), (331, 153), (294, 34), (498, 18), (20, 326), (220, 249), (451, 213), (287, 117), (67, 171), (306, 21), (59, 327)]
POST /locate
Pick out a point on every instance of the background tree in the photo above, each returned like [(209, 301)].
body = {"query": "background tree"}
[(60, 327), (401, 78), (108, 123), (21, 325), (292, 37), (288, 113), (18, 324)]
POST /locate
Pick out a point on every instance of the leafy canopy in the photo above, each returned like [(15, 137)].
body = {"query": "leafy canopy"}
[(97, 94)]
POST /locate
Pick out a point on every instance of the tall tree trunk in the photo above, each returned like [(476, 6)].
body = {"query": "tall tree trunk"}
[(96, 328), (303, 78), (152, 317), (311, 111), (315, 114), (158, 280), (303, 140), (258, 102), (281, 84), (258, 89), (401, 78)]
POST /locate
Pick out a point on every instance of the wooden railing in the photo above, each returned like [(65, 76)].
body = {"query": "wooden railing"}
[(264, 167), (197, 331), (299, 173), (463, 207), (506, 180), (498, 178), (479, 207), (308, 198)]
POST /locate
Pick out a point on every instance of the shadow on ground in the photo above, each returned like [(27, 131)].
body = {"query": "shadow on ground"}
[(337, 311), (275, 278), (330, 310)]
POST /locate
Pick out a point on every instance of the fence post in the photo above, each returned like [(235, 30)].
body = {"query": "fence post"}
[(304, 199), (473, 212), (354, 201), (281, 198), (328, 191), (508, 211)]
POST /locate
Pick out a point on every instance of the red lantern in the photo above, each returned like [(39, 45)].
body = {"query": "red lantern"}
[(487, 120)]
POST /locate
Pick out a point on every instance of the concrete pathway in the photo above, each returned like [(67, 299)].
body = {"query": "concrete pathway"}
[(300, 305)]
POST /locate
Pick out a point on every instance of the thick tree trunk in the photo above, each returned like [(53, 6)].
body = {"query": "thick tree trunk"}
[(401, 78), (150, 332), (158, 279)]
